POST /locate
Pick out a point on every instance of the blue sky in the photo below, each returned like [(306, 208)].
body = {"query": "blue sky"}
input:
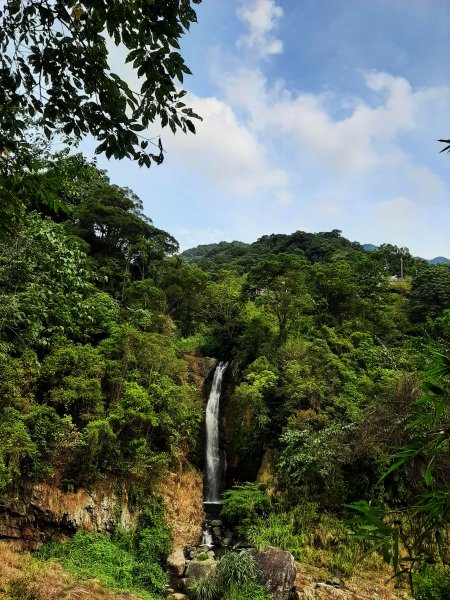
[(318, 115)]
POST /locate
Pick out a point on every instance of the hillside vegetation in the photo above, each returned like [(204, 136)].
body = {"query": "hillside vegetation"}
[(328, 347)]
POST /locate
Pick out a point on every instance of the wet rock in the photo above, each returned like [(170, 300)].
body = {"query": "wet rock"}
[(217, 532), (200, 569), (183, 583), (226, 542), (216, 523), (176, 562), (277, 571)]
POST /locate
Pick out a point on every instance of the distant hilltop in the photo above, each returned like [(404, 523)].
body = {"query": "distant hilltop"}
[(369, 247), (438, 260), (433, 261)]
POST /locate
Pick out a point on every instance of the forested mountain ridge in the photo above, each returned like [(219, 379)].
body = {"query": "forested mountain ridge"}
[(316, 246)]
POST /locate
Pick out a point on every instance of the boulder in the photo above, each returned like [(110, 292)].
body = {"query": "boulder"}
[(178, 596), (276, 571), (176, 562), (200, 569), (216, 523)]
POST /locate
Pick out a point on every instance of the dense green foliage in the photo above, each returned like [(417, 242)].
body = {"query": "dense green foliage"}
[(245, 502), (236, 580), (88, 353), (433, 583), (330, 347), (327, 345), (416, 535), (100, 317)]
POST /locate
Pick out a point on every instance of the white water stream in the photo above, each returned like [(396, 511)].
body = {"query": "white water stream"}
[(213, 471), (207, 538)]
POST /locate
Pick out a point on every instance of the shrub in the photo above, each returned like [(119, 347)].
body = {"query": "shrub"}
[(204, 589), (245, 502), (153, 538), (278, 529), (150, 576), (314, 460), (344, 558), (93, 555), (131, 561), (236, 580), (250, 591), (433, 583), (24, 586), (236, 568)]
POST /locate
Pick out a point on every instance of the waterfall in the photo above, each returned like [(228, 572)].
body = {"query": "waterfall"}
[(213, 471)]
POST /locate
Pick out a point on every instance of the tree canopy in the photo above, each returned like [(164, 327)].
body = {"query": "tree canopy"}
[(56, 64)]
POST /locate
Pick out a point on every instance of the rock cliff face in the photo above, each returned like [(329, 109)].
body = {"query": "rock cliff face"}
[(183, 495), (43, 512), (200, 369)]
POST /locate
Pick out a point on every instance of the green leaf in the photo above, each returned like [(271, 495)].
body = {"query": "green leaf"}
[(429, 471)]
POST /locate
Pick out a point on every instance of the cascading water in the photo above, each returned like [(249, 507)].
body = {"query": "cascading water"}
[(214, 467)]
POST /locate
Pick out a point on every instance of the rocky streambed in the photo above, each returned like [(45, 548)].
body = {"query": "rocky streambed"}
[(198, 562), (275, 567), (284, 578)]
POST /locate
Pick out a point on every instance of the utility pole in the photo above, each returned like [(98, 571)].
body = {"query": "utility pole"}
[(402, 251)]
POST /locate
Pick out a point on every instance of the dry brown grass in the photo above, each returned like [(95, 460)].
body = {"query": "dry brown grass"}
[(368, 584), (24, 578)]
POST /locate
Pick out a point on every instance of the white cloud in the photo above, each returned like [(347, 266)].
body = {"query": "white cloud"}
[(228, 153), (427, 187), (272, 158), (284, 197), (397, 218), (359, 142), (261, 17)]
